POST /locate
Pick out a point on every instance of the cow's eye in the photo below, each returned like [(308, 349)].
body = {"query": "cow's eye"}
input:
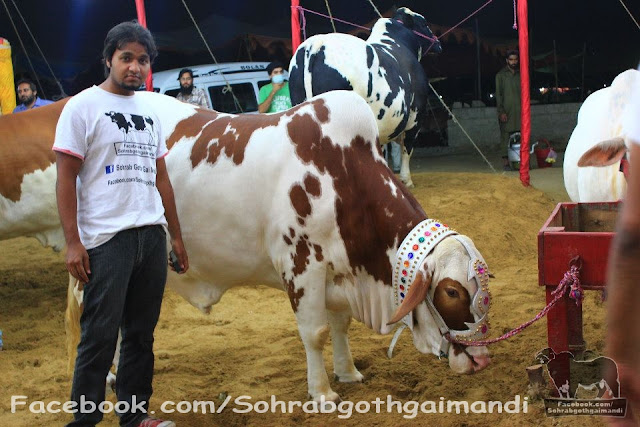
[(452, 293)]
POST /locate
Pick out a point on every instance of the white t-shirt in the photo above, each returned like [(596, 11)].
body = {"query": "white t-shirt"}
[(119, 139)]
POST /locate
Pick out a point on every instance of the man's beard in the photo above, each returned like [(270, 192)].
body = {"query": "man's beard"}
[(186, 90), (513, 67), (29, 100), (130, 87)]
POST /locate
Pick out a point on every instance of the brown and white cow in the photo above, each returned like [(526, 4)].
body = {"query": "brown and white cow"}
[(28, 176), (303, 201)]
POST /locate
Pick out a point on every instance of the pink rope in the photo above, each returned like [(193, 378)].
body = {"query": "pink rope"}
[(432, 39), (302, 10), (329, 17), (515, 21), (570, 282), (304, 22), (465, 19)]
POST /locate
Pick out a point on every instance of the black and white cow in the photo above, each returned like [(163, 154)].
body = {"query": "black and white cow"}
[(128, 123), (385, 70)]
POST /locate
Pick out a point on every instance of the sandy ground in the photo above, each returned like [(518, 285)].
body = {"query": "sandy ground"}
[(249, 346)]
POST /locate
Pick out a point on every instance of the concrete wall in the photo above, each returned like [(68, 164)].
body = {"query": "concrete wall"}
[(554, 122)]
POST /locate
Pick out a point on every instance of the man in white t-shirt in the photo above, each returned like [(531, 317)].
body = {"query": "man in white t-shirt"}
[(623, 276), (115, 200)]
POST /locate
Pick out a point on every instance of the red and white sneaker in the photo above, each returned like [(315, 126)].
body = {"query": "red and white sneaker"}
[(155, 422)]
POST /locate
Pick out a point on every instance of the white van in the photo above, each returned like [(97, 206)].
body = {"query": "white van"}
[(245, 78)]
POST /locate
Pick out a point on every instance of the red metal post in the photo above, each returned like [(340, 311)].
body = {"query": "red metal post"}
[(525, 129), (142, 19), (295, 25)]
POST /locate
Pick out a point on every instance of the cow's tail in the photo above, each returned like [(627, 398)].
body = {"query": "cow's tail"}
[(72, 322), (299, 75), (309, 60)]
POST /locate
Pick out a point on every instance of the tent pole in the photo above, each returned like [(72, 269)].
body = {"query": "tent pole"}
[(479, 86), (584, 55), (142, 19), (295, 26), (555, 70), (525, 129)]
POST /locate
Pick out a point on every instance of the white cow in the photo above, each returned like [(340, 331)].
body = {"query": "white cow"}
[(303, 201), (598, 139)]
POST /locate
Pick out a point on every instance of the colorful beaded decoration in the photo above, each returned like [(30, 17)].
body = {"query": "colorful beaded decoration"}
[(412, 252)]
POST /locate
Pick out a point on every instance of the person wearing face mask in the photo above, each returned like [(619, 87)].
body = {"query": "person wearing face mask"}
[(274, 97)]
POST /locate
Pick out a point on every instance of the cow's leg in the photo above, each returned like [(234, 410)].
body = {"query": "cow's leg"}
[(72, 321), (405, 172), (343, 366), (111, 376), (72, 328), (307, 296)]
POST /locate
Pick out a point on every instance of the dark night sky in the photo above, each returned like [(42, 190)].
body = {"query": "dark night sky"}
[(72, 32)]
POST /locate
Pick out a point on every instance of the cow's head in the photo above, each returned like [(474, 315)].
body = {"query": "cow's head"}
[(416, 22), (607, 153), (449, 295)]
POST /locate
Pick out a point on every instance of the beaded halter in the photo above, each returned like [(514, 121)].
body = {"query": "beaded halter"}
[(411, 255)]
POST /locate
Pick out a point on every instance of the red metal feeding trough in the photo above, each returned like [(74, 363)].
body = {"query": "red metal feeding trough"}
[(583, 230)]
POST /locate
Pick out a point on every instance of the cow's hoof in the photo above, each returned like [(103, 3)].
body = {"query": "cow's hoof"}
[(110, 386), (355, 377), (332, 396)]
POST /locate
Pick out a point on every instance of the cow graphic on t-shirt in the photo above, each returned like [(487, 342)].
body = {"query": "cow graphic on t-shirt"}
[(129, 123), (139, 137)]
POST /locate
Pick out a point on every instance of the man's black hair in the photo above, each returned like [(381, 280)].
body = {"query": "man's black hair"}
[(185, 70), (31, 84), (512, 52), (127, 32), (273, 65)]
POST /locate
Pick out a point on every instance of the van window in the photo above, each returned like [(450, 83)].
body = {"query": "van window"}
[(222, 99), (172, 92)]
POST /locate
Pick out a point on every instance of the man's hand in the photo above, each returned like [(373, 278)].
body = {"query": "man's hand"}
[(503, 118), (181, 253), (77, 261), (276, 87)]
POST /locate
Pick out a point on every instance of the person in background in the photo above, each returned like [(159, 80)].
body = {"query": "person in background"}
[(114, 217), (188, 92), (623, 277), (274, 97), (28, 96), (508, 101)]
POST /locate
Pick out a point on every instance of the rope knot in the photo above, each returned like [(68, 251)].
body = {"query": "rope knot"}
[(571, 282)]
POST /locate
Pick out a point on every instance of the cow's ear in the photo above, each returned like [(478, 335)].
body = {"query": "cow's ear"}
[(604, 153), (417, 294)]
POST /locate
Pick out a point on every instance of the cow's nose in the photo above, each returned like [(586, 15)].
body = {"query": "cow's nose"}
[(481, 362)]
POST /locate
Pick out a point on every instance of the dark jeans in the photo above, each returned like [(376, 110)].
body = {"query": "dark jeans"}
[(125, 289)]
